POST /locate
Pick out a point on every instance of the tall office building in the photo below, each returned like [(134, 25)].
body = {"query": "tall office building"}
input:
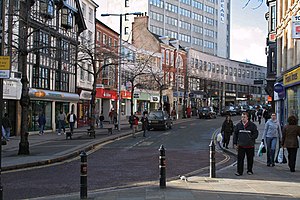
[(201, 24)]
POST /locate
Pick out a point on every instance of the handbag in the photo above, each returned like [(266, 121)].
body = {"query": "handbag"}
[(261, 149), (280, 158), (219, 137)]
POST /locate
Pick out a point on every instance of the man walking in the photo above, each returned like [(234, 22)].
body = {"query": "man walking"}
[(42, 122), (72, 119), (244, 138), (6, 127), (61, 122)]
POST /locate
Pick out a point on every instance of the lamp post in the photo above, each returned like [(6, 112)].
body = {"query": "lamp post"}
[(1, 89), (176, 42), (120, 61)]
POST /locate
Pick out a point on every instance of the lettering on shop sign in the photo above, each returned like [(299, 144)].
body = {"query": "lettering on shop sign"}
[(291, 77)]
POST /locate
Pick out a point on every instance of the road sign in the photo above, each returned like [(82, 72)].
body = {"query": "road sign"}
[(4, 66)]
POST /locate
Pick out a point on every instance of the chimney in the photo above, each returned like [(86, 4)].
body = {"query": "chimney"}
[(139, 25)]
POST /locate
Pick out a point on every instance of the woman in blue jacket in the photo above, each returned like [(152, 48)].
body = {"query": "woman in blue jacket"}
[(271, 135)]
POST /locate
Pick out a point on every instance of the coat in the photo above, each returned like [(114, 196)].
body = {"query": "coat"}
[(227, 127), (245, 136), (289, 136)]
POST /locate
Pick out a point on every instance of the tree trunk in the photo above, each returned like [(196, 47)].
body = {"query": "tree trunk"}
[(160, 98), (132, 98), (25, 100)]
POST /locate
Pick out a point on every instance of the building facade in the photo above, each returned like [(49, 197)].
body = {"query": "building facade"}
[(53, 27), (200, 24), (288, 59)]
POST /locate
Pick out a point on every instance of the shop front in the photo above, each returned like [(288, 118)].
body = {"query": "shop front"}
[(11, 96), (230, 98), (291, 82), (83, 108), (49, 103)]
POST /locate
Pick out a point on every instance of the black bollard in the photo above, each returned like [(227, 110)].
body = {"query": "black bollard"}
[(162, 167), (212, 170), (83, 176)]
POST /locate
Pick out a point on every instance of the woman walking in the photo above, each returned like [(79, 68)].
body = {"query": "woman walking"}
[(290, 135), (271, 134), (227, 130)]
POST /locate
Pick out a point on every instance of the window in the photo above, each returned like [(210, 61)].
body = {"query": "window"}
[(40, 77), (65, 50), (62, 81), (273, 18), (200, 64), (196, 63), (163, 56), (213, 68), (218, 69), (44, 41), (67, 18), (82, 73), (167, 58), (47, 9), (98, 36), (222, 69), (226, 70), (91, 15), (230, 71), (209, 67), (104, 39), (205, 66), (234, 72)]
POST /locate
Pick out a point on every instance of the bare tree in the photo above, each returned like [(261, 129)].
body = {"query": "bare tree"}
[(99, 57), (260, 2), (158, 76)]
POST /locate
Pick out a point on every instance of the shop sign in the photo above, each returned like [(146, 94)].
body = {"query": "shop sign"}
[(222, 11), (230, 94), (86, 95), (136, 95), (4, 67), (106, 94), (52, 95), (296, 27), (125, 94), (291, 77)]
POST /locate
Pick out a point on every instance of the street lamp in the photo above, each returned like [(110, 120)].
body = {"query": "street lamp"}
[(176, 42), (120, 61)]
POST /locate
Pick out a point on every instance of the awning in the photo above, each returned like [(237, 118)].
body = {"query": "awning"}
[(39, 94)]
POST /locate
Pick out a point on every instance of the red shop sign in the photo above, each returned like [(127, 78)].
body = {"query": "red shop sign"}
[(106, 94), (125, 94)]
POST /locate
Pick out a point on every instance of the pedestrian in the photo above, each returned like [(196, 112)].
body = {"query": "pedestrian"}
[(71, 120), (111, 115), (135, 125), (101, 118), (254, 115), (227, 130), (266, 115), (145, 122), (41, 122), (6, 124), (259, 115), (290, 135), (61, 122), (272, 134), (115, 120), (244, 137), (130, 121)]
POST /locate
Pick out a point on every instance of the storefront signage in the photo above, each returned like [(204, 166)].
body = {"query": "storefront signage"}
[(52, 95), (106, 94), (291, 77), (230, 94), (4, 67), (125, 94), (136, 95), (12, 89), (85, 95), (296, 27)]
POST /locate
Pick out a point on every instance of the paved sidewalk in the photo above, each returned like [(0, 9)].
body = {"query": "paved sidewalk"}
[(266, 183)]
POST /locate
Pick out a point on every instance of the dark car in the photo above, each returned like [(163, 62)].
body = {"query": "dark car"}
[(159, 120), (206, 112), (228, 110)]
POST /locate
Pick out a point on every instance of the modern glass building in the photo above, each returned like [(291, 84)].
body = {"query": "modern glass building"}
[(201, 24)]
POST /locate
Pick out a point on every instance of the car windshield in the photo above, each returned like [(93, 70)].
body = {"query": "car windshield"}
[(156, 115)]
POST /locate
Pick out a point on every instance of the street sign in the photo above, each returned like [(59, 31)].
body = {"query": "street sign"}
[(296, 27), (4, 67), (258, 82)]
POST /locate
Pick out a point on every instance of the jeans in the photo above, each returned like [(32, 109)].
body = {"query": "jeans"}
[(42, 128), (72, 126), (271, 147), (61, 125), (101, 124), (6, 134)]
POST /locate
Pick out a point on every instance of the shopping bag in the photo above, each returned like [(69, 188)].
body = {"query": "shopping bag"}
[(261, 149), (219, 137), (280, 158)]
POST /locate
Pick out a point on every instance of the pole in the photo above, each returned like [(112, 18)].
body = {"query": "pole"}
[(162, 167), (2, 20), (83, 175), (177, 70), (119, 77), (212, 169)]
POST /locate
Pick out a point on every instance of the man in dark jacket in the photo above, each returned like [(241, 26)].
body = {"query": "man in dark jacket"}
[(6, 127), (244, 137)]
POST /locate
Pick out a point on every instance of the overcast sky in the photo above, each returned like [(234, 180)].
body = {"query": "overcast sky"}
[(248, 32)]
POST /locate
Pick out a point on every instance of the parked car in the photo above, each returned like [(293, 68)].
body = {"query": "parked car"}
[(159, 120), (228, 110), (206, 112)]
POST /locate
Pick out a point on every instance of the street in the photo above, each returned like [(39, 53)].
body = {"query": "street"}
[(123, 162)]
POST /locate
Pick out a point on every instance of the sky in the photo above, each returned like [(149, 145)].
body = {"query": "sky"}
[(248, 31)]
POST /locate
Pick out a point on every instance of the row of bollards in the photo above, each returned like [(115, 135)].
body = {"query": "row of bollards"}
[(162, 169)]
